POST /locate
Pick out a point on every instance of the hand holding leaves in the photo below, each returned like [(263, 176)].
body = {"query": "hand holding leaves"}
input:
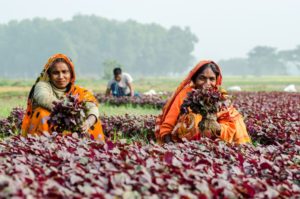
[(210, 127), (68, 115), (206, 102)]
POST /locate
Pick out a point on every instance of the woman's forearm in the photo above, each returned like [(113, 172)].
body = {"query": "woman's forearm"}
[(91, 120), (92, 109), (43, 95)]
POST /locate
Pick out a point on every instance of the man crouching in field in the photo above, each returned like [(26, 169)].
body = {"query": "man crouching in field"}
[(120, 85)]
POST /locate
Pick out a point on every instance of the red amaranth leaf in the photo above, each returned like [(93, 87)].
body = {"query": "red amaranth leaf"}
[(168, 157)]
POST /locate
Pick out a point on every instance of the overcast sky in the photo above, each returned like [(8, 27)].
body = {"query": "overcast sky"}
[(225, 28)]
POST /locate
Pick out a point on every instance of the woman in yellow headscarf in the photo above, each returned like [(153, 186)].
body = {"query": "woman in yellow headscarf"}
[(171, 126), (55, 82)]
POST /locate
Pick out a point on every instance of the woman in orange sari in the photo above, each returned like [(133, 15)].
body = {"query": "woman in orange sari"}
[(171, 126), (56, 81)]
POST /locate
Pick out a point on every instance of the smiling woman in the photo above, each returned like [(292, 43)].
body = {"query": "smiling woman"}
[(60, 73), (198, 108), (54, 84)]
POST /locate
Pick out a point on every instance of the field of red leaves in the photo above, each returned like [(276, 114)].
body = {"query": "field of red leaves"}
[(56, 167)]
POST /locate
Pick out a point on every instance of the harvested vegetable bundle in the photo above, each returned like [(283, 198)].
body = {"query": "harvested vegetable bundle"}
[(67, 116), (207, 102)]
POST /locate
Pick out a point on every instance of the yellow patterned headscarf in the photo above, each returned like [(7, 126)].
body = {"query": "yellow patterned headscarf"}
[(44, 74), (84, 95)]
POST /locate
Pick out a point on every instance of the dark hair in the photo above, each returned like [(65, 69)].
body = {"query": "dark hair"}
[(117, 71), (209, 65)]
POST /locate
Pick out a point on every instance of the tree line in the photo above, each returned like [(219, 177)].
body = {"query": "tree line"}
[(96, 45), (264, 60), (91, 42)]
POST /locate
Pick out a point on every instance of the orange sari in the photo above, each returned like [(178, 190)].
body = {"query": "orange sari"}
[(35, 119), (233, 128)]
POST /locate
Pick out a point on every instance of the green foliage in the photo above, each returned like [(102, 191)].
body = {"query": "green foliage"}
[(264, 60), (89, 41)]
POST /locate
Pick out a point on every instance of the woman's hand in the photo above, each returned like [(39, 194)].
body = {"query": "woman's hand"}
[(89, 122), (210, 127), (85, 127), (215, 128)]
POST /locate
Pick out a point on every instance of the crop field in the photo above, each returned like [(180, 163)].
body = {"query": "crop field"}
[(132, 165)]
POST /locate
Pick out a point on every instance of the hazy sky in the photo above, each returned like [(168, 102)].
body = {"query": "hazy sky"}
[(225, 28)]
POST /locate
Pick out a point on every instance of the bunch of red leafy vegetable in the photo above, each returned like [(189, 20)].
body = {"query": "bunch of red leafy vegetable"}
[(68, 115), (203, 101)]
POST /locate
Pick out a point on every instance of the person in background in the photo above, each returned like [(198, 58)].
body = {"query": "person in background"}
[(120, 85)]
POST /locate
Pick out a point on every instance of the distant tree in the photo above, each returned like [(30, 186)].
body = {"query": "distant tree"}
[(148, 49), (263, 60), (291, 58)]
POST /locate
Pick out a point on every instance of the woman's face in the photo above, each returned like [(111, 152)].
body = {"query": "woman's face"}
[(60, 75), (206, 79)]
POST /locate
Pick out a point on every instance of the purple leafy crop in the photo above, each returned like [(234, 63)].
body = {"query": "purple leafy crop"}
[(67, 115), (203, 101), (12, 124), (150, 101), (56, 167), (270, 118)]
